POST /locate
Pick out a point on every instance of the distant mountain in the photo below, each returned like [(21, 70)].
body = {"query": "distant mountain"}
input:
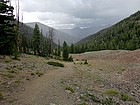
[(25, 30), (58, 34), (83, 32), (123, 35)]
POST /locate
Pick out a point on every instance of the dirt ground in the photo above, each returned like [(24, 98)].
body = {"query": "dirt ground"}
[(109, 78)]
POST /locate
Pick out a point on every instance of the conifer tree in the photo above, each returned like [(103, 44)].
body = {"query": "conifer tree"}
[(36, 40), (72, 48), (59, 49), (65, 51), (8, 36)]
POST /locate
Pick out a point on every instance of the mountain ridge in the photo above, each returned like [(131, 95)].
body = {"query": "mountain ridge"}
[(58, 34), (83, 32), (122, 35)]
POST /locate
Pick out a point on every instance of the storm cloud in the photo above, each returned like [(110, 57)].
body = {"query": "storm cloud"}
[(77, 13)]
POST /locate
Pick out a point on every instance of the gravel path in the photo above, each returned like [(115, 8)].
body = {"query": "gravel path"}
[(46, 90), (76, 83)]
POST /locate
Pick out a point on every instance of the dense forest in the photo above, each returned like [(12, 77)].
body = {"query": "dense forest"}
[(123, 35)]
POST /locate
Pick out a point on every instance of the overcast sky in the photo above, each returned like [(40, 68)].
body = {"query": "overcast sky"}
[(77, 13)]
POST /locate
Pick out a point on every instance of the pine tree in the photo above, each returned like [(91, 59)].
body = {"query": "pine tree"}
[(72, 48), (59, 49), (24, 44), (45, 46), (8, 36), (36, 40), (65, 51)]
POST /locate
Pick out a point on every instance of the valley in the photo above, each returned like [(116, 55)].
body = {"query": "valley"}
[(110, 78), (67, 53)]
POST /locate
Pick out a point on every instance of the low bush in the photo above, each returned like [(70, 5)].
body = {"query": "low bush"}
[(1, 95), (113, 92), (32, 73), (83, 104), (108, 101), (9, 75), (12, 71), (86, 62), (55, 64), (17, 82), (70, 89), (70, 59), (95, 99), (39, 73), (125, 97)]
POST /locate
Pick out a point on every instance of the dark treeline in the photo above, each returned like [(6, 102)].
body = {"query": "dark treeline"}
[(38, 44), (8, 36), (34, 42), (123, 35)]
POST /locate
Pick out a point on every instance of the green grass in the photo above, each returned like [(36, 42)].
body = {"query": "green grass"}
[(125, 97), (108, 101), (1, 95), (86, 62), (9, 75), (70, 89), (39, 73), (17, 82), (84, 97), (8, 61), (113, 92), (55, 64), (95, 99), (12, 71), (83, 104)]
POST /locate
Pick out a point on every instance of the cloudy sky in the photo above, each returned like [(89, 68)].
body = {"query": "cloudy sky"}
[(77, 13)]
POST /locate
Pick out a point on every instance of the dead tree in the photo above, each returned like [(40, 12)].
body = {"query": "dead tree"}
[(50, 40)]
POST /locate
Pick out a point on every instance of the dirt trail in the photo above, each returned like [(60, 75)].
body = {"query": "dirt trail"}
[(46, 90), (103, 80)]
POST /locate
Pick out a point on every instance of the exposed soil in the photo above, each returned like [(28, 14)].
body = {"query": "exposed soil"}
[(109, 78)]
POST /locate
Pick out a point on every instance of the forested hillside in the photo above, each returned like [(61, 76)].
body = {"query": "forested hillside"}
[(123, 35)]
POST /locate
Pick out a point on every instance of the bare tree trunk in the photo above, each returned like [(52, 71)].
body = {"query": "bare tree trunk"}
[(50, 39)]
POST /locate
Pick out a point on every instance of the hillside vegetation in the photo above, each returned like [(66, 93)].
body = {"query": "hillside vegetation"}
[(123, 35)]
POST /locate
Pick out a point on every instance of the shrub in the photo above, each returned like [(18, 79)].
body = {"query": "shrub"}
[(39, 73), (84, 97), (86, 62), (125, 97), (55, 64), (70, 89), (113, 92), (83, 104), (12, 71), (9, 75), (8, 61), (70, 59), (108, 101), (32, 73), (17, 82), (95, 99), (1, 95)]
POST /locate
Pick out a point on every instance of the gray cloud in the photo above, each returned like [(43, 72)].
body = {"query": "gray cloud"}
[(71, 13)]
